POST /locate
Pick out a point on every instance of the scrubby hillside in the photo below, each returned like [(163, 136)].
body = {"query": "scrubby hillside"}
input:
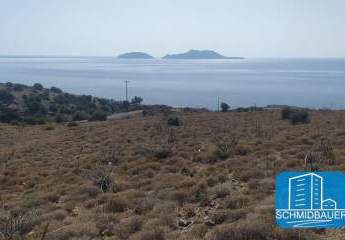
[(186, 176), (36, 104)]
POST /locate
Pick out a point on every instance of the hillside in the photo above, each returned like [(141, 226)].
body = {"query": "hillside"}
[(36, 105), (198, 54), (135, 55), (170, 176)]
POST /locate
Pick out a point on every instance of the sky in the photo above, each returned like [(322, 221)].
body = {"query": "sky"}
[(248, 28)]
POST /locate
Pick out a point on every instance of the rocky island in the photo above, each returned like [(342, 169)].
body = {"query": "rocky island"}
[(199, 54), (135, 55)]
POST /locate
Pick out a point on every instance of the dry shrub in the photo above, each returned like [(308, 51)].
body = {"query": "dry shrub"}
[(226, 143), (6, 157), (58, 215), (69, 206), (74, 230), (52, 197), (293, 234), (110, 155), (128, 226), (32, 201), (198, 231), (246, 174), (180, 196), (103, 177), (221, 190), (220, 216), (168, 219), (154, 234), (173, 121), (13, 225), (106, 223), (237, 201), (116, 204), (90, 191), (161, 152), (144, 206), (49, 126), (199, 193), (72, 124), (321, 154), (239, 231), (212, 181)]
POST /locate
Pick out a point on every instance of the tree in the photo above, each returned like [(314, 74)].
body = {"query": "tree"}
[(55, 90), (6, 97), (136, 100), (224, 106), (38, 86)]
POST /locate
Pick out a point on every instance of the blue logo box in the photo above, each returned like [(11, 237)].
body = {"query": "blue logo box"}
[(310, 200)]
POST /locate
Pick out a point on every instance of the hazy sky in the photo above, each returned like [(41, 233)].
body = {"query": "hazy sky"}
[(249, 28)]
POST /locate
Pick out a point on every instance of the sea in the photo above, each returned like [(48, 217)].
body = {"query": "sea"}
[(313, 83)]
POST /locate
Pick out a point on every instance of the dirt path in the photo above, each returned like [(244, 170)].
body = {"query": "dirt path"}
[(124, 115)]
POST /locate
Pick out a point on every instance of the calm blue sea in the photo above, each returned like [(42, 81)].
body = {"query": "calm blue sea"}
[(303, 82)]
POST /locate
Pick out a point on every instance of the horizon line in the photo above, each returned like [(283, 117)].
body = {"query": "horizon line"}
[(157, 58)]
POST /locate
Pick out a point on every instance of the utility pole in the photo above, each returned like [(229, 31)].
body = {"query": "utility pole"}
[(218, 104), (126, 102), (126, 90)]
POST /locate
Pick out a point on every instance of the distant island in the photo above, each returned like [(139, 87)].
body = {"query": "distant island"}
[(135, 55), (199, 54)]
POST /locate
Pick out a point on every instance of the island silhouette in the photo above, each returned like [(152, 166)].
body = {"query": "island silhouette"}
[(191, 54), (135, 55), (198, 54)]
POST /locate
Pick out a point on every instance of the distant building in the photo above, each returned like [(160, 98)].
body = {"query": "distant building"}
[(305, 192)]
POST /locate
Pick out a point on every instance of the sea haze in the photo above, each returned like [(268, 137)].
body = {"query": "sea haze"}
[(304, 82)]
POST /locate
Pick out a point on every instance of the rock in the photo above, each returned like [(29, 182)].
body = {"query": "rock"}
[(75, 212), (209, 222), (182, 223)]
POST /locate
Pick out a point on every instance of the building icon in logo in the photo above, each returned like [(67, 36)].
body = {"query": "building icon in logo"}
[(310, 199), (306, 192)]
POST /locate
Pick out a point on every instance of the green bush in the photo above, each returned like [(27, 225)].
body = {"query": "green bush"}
[(55, 105), (60, 118), (98, 116), (301, 116), (295, 115), (80, 116), (55, 90), (136, 100), (38, 86), (224, 106), (6, 97), (9, 116), (173, 121), (33, 120), (18, 87), (286, 113)]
